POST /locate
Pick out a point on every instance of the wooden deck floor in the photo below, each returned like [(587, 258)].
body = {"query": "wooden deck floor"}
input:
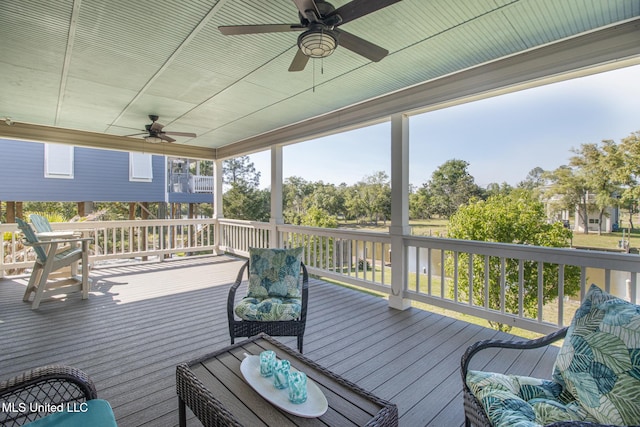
[(141, 320)]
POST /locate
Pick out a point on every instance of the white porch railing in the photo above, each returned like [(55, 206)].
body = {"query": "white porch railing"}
[(355, 257), (237, 236), (438, 285), (434, 267), (118, 240), (200, 184), (364, 259)]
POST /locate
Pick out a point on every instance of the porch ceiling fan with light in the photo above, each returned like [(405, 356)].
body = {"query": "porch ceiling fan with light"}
[(319, 22), (155, 134)]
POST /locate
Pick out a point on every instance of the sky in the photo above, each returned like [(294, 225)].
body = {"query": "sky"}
[(502, 138)]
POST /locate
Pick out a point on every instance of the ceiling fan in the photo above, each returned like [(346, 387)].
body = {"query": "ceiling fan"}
[(155, 133), (319, 21)]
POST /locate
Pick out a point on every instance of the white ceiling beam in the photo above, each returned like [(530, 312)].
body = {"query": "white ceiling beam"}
[(31, 132)]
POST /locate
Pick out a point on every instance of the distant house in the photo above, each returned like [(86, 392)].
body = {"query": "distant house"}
[(610, 218), (33, 171)]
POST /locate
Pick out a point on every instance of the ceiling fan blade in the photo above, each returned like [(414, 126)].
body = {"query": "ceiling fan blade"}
[(164, 137), (189, 134), (358, 8), (232, 30), (299, 61), (305, 5), (137, 134), (155, 127), (362, 47)]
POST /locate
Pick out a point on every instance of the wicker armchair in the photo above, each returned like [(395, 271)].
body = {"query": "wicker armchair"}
[(248, 328), (473, 411), (595, 375), (25, 397)]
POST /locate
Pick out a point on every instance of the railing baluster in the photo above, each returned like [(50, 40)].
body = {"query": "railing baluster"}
[(417, 269), (540, 290), (442, 273), (520, 288), (503, 281), (429, 271), (487, 271), (470, 274), (455, 276), (560, 294)]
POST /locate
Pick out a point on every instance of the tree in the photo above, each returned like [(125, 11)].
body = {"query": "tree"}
[(494, 189), (518, 217), (420, 204), (243, 201), (294, 191), (240, 169), (569, 190), (370, 198), (534, 179), (326, 197), (317, 217), (596, 163), (201, 167), (451, 186), (628, 173)]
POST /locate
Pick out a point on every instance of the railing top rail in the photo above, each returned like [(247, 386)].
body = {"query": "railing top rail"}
[(88, 225), (243, 223), (568, 256), (373, 236)]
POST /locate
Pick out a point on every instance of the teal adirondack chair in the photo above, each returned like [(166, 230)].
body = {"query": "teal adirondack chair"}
[(40, 223), (50, 259)]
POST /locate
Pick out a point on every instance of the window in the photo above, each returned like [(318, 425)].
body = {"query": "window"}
[(58, 161), (140, 167)]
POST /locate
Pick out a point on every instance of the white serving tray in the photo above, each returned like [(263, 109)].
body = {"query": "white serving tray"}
[(316, 403)]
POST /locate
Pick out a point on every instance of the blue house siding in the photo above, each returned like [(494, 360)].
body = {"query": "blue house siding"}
[(190, 198), (99, 176)]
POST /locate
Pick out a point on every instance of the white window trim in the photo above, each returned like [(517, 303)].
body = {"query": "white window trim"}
[(55, 152), (140, 167)]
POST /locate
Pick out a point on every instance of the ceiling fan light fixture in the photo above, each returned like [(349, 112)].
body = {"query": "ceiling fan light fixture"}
[(153, 139), (318, 43)]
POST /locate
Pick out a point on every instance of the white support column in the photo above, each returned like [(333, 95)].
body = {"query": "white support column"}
[(217, 204), (276, 195), (399, 210)]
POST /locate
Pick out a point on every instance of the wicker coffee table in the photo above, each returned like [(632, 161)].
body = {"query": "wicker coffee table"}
[(215, 390)]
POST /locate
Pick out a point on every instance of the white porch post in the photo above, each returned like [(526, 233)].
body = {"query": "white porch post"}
[(276, 196), (399, 209), (217, 204)]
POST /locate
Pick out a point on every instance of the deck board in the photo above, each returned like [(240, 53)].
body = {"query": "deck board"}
[(141, 320)]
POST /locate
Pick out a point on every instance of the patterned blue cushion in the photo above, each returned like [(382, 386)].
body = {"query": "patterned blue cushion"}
[(510, 400), (599, 361), (269, 309), (596, 377), (274, 272)]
